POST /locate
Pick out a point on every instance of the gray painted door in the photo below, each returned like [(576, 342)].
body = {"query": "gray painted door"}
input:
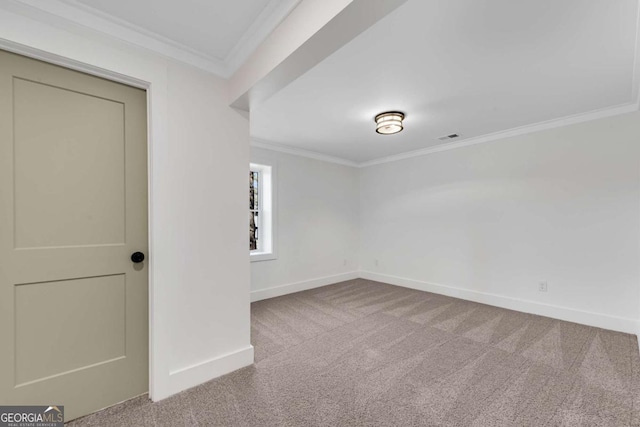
[(73, 208)]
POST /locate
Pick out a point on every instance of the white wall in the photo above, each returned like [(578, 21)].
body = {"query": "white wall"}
[(490, 221), (317, 226), (209, 295), (199, 155)]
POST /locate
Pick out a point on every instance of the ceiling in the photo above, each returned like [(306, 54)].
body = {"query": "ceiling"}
[(214, 35), (466, 66), (210, 27)]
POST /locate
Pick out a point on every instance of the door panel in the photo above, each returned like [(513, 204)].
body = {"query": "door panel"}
[(94, 330), (73, 207), (81, 201)]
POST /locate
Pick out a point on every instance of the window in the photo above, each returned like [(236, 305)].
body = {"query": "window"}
[(254, 209), (261, 212)]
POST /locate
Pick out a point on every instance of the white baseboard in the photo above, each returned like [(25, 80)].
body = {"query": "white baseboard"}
[(301, 286), (199, 373), (622, 324)]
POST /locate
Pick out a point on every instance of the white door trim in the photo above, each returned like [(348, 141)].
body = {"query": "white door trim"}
[(155, 127), (72, 64)]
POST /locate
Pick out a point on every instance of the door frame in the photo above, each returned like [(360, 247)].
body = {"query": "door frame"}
[(156, 129)]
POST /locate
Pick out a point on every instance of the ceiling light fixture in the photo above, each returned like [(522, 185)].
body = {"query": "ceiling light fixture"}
[(389, 123)]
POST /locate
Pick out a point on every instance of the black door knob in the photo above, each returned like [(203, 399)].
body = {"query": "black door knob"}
[(137, 257)]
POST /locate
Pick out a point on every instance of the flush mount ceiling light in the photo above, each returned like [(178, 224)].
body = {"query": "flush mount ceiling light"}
[(389, 123)]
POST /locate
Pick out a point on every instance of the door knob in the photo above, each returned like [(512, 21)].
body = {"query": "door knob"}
[(137, 257)]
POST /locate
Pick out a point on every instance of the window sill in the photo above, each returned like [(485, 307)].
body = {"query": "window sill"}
[(262, 256)]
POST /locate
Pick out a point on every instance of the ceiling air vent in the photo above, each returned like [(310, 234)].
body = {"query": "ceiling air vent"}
[(448, 137)]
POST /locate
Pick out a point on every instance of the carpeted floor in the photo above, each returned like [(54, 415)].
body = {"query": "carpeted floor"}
[(363, 353)]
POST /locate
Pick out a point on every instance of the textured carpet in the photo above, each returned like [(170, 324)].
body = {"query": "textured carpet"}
[(363, 353)]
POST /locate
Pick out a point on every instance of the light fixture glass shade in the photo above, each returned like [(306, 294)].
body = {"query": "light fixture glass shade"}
[(389, 123)]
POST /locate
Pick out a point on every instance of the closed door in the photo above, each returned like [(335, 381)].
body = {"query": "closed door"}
[(73, 209)]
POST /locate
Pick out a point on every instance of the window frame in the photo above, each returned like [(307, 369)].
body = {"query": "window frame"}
[(257, 211), (267, 210)]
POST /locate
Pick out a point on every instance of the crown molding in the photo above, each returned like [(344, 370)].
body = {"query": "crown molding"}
[(287, 149), (271, 16), (521, 130), (63, 12)]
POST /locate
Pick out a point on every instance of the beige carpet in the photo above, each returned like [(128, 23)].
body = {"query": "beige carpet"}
[(362, 353)]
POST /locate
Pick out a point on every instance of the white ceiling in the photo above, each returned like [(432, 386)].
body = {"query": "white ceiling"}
[(466, 66), (215, 35), (211, 27)]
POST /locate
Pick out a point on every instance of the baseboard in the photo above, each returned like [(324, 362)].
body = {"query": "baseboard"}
[(622, 324), (277, 291), (197, 374)]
